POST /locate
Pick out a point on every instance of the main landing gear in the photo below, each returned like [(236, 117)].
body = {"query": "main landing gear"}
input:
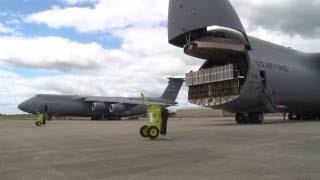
[(249, 118)]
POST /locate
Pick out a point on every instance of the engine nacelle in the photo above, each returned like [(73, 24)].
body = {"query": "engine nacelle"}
[(117, 109), (99, 107)]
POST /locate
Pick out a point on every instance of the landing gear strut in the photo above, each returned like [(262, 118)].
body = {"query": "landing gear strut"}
[(249, 118)]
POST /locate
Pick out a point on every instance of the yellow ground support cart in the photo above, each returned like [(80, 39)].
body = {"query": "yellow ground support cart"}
[(157, 122), (41, 119)]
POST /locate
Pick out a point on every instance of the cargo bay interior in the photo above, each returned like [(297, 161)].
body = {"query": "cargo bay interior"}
[(221, 77)]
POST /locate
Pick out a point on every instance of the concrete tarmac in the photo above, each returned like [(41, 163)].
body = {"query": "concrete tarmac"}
[(194, 149)]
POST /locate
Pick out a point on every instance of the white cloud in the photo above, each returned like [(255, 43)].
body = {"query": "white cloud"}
[(6, 30), (13, 22), (281, 13), (54, 53), (60, 54), (11, 92), (293, 17), (293, 41), (106, 15)]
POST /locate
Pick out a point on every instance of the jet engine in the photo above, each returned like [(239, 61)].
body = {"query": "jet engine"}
[(99, 107), (117, 109)]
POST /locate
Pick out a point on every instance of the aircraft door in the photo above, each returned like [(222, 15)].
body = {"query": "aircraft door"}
[(263, 78), (267, 94), (46, 109)]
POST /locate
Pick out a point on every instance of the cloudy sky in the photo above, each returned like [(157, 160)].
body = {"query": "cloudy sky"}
[(119, 47)]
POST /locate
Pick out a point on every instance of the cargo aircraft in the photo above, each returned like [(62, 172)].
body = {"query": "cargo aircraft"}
[(240, 73), (98, 107)]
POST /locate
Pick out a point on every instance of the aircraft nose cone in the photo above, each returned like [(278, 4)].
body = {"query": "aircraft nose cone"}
[(23, 106)]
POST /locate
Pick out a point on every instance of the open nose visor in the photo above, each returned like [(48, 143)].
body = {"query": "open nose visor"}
[(189, 19)]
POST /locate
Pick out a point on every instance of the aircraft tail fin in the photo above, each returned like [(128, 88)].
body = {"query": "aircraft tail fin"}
[(173, 88), (189, 19)]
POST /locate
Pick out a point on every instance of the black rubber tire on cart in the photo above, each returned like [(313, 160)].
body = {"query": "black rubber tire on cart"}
[(38, 123), (144, 131), (153, 132)]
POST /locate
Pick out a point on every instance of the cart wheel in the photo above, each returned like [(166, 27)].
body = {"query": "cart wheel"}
[(153, 132), (144, 131), (38, 123)]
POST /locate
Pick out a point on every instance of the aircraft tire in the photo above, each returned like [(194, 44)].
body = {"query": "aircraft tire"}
[(144, 131), (258, 118), (239, 118), (38, 123), (255, 118), (111, 118), (153, 132), (252, 119), (96, 118), (299, 117), (245, 120)]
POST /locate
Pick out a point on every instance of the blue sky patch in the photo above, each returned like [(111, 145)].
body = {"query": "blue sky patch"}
[(13, 12), (29, 73)]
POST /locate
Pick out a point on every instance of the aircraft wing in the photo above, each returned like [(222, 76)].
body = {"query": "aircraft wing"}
[(112, 100), (120, 100)]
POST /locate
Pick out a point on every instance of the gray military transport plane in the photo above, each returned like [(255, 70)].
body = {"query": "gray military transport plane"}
[(98, 107), (242, 74)]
